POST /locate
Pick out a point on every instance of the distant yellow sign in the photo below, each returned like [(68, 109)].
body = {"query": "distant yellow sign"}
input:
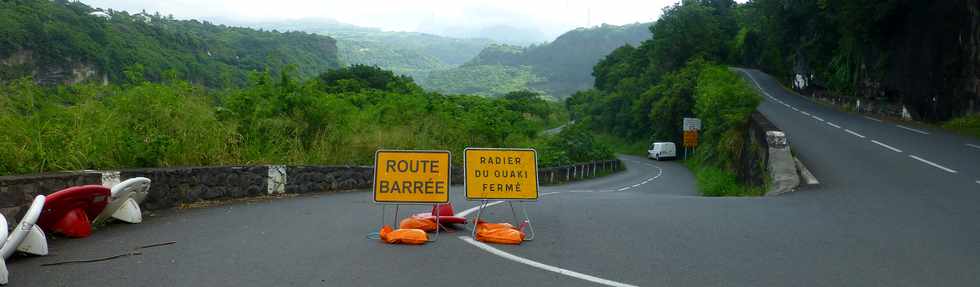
[(508, 174), (690, 138), (411, 176)]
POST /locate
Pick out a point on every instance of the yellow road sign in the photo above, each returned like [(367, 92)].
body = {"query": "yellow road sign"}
[(411, 176), (508, 174), (690, 138)]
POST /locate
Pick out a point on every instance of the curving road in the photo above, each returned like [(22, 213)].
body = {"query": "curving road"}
[(880, 217)]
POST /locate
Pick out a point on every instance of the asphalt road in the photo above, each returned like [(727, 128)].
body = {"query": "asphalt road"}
[(879, 218)]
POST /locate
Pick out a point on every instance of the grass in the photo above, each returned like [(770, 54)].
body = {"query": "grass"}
[(713, 181), (966, 125)]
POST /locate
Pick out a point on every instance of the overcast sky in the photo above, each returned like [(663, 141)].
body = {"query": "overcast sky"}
[(549, 16)]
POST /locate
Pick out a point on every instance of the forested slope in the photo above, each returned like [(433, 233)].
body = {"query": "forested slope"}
[(407, 53), (558, 68), (66, 42), (920, 54)]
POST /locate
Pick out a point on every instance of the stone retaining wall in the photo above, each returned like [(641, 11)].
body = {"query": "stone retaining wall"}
[(17, 192), (173, 186)]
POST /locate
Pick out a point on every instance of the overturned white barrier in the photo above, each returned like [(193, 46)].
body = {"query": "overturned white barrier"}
[(26, 236), (124, 201)]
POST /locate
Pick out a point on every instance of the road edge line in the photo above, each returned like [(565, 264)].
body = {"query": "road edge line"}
[(542, 266)]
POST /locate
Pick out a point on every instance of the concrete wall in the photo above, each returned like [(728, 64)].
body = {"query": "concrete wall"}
[(173, 186), (766, 157)]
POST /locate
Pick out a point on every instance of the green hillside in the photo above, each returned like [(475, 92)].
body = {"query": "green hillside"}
[(558, 68), (67, 42), (407, 53)]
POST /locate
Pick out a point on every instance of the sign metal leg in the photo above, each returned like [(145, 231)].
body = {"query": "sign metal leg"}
[(483, 204), (435, 207)]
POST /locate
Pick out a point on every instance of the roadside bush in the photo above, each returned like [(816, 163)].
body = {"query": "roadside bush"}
[(714, 181), (968, 125), (96, 127), (341, 117), (574, 143)]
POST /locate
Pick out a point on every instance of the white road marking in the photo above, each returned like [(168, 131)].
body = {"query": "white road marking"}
[(911, 129), (817, 118), (854, 133), (932, 164), (550, 193), (805, 113), (978, 182), (623, 189), (886, 146), (833, 125), (542, 266), (795, 109), (973, 146), (753, 80), (873, 119)]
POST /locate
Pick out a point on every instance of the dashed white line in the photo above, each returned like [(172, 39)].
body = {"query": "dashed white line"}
[(978, 182), (817, 118), (637, 185), (932, 164), (795, 109), (973, 146), (886, 146), (623, 189), (854, 133), (873, 119), (805, 113), (833, 125), (911, 129), (542, 266), (550, 193)]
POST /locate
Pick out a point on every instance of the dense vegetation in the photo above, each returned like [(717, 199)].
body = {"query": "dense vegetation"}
[(642, 93), (485, 80), (406, 53), (65, 42), (340, 117), (921, 54), (558, 68)]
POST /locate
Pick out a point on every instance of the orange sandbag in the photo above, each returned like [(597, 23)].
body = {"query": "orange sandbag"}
[(403, 236), (418, 222), (503, 233)]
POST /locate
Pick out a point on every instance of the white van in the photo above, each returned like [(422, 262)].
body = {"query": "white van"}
[(659, 150)]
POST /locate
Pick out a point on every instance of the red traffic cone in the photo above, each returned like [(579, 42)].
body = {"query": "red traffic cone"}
[(445, 214)]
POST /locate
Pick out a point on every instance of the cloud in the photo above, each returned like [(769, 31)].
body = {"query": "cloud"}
[(548, 16)]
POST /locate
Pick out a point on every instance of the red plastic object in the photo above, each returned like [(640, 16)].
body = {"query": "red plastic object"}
[(69, 211), (445, 213)]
